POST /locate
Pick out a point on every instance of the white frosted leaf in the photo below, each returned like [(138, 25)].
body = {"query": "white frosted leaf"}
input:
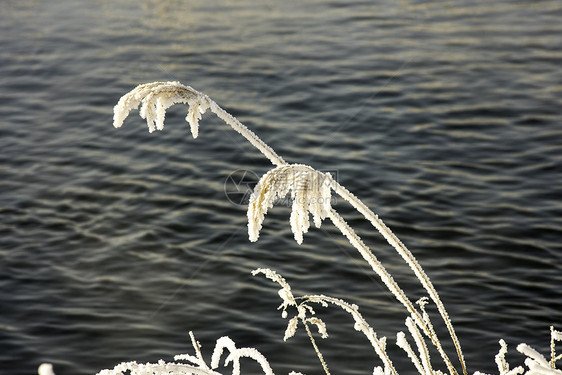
[(320, 325), (291, 328), (556, 335)]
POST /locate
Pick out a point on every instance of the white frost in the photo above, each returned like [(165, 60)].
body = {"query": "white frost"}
[(310, 193)]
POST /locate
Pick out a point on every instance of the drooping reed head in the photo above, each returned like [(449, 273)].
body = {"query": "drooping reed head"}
[(156, 98), (310, 193)]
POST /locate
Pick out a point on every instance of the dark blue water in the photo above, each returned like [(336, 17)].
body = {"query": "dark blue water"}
[(444, 117)]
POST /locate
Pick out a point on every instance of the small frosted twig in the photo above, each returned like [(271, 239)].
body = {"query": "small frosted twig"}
[(421, 303), (420, 343), (289, 300), (537, 369), (235, 355), (198, 360), (554, 336), (359, 325), (285, 292), (404, 345), (532, 354), (320, 325), (503, 366), (536, 362), (318, 353), (429, 326)]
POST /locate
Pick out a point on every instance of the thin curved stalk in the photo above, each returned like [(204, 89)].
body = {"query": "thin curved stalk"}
[(387, 279), (360, 324), (246, 133), (408, 258), (318, 352)]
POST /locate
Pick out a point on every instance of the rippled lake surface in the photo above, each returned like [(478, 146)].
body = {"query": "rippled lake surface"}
[(443, 117)]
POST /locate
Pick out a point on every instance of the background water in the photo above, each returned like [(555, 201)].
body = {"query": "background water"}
[(444, 117)]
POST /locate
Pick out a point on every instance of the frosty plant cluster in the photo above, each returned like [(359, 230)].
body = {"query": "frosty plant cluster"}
[(310, 192)]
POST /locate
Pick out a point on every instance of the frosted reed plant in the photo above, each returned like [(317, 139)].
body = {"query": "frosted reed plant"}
[(311, 191)]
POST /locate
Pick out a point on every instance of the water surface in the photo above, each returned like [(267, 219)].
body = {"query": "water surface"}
[(443, 117)]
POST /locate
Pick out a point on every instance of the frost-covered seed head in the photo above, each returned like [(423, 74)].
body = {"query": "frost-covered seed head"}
[(310, 193), (155, 98)]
